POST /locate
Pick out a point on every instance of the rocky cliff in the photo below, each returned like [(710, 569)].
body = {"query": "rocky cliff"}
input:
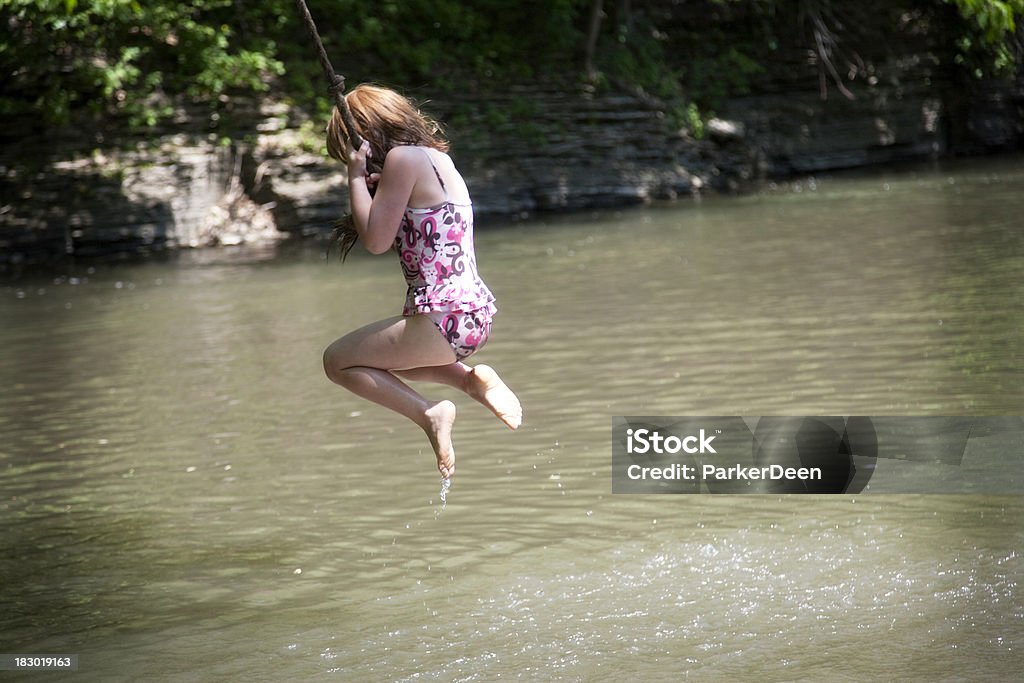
[(253, 176)]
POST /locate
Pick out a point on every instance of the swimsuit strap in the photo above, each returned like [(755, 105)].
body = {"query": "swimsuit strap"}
[(436, 173)]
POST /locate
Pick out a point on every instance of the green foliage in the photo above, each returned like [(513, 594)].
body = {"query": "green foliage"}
[(126, 56), (989, 45), (688, 68), (433, 40), (696, 54), (137, 59), (134, 58)]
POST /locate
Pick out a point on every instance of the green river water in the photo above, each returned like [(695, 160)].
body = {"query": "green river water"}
[(185, 497)]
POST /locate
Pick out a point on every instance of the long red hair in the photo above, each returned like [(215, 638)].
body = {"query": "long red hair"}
[(385, 119)]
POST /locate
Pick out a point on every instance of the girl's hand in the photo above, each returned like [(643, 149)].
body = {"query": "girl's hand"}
[(371, 181), (357, 162)]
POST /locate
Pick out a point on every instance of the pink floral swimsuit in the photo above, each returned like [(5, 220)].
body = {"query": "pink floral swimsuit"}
[(435, 247)]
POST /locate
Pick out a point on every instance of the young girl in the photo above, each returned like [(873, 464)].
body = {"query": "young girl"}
[(422, 209)]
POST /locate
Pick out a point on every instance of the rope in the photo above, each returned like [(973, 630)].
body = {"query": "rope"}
[(336, 81)]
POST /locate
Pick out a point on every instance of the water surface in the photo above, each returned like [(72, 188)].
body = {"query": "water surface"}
[(186, 497)]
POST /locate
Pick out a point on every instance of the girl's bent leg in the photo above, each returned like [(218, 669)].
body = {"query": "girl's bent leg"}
[(454, 375), (481, 382), (392, 344), (362, 362), (435, 418)]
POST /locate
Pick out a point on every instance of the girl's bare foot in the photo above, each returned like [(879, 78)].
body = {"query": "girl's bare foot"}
[(485, 386), (440, 418)]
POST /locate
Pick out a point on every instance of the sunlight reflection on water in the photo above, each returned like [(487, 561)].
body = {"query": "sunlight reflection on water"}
[(171, 454)]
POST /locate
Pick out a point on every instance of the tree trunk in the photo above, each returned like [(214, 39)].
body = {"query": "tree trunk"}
[(593, 30)]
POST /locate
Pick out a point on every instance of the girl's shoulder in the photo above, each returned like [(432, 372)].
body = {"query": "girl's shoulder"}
[(403, 150), (419, 152), (405, 160), (409, 158), (402, 153)]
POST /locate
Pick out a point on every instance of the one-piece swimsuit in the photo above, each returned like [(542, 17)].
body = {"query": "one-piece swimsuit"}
[(436, 250)]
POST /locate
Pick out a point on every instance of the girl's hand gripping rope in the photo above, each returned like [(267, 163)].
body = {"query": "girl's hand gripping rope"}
[(357, 162)]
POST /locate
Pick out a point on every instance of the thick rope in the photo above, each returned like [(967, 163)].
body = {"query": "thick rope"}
[(336, 82)]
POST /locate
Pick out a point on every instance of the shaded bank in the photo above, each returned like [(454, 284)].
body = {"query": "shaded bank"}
[(135, 127), (256, 172)]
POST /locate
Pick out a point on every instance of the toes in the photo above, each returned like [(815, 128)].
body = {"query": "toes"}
[(446, 470), (495, 394), (442, 417)]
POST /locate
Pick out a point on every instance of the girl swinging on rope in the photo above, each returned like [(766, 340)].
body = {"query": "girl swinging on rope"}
[(421, 208)]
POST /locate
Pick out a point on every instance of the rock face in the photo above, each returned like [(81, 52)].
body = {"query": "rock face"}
[(177, 190), (551, 146), (574, 150)]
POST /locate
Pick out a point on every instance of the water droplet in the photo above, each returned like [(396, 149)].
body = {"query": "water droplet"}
[(445, 485)]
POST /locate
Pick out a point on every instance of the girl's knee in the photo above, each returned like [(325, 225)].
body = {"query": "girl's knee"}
[(335, 364)]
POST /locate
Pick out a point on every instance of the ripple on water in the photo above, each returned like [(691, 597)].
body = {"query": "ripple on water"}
[(183, 491)]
